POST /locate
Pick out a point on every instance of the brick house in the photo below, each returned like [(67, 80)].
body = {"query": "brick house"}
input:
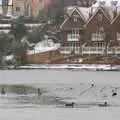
[(93, 27), (72, 29), (97, 28)]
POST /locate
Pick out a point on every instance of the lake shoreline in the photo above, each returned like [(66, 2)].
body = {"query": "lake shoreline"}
[(91, 67)]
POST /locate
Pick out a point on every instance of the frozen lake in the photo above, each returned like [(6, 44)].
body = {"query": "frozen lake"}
[(57, 76), (67, 86)]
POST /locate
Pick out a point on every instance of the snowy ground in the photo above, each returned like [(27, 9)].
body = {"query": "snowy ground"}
[(58, 88), (95, 67)]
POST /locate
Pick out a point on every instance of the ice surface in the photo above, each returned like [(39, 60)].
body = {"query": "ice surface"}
[(61, 87)]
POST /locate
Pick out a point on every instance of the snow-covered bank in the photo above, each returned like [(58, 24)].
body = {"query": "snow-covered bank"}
[(60, 114), (95, 67)]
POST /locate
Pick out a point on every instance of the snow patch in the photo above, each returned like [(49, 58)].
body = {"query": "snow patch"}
[(8, 58), (44, 46)]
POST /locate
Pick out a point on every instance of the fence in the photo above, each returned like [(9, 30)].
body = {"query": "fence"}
[(90, 50)]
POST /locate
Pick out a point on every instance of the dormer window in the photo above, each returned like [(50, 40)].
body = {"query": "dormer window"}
[(75, 18)]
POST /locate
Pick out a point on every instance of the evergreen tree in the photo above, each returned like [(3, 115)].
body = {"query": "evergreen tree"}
[(19, 31)]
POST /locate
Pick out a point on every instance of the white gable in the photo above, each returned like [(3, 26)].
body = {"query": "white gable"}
[(82, 11), (85, 12)]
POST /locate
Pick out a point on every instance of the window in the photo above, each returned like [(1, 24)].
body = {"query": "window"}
[(72, 37), (17, 9), (99, 35), (75, 18), (4, 2), (5, 5), (99, 17), (118, 36)]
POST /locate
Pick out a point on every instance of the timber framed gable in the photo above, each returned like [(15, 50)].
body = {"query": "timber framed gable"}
[(75, 20), (99, 18), (97, 29), (116, 20)]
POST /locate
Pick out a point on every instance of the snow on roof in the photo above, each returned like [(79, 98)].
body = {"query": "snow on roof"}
[(107, 3), (84, 11), (44, 46), (9, 57)]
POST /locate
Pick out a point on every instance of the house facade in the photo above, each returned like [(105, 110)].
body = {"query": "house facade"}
[(6, 7), (72, 30), (19, 7), (23, 7), (115, 28), (13, 7), (97, 26), (27, 7)]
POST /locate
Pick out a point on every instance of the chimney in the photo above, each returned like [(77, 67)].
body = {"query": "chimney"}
[(114, 6), (114, 3)]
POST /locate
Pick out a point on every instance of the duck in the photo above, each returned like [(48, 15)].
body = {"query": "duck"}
[(69, 104), (103, 105), (114, 94)]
